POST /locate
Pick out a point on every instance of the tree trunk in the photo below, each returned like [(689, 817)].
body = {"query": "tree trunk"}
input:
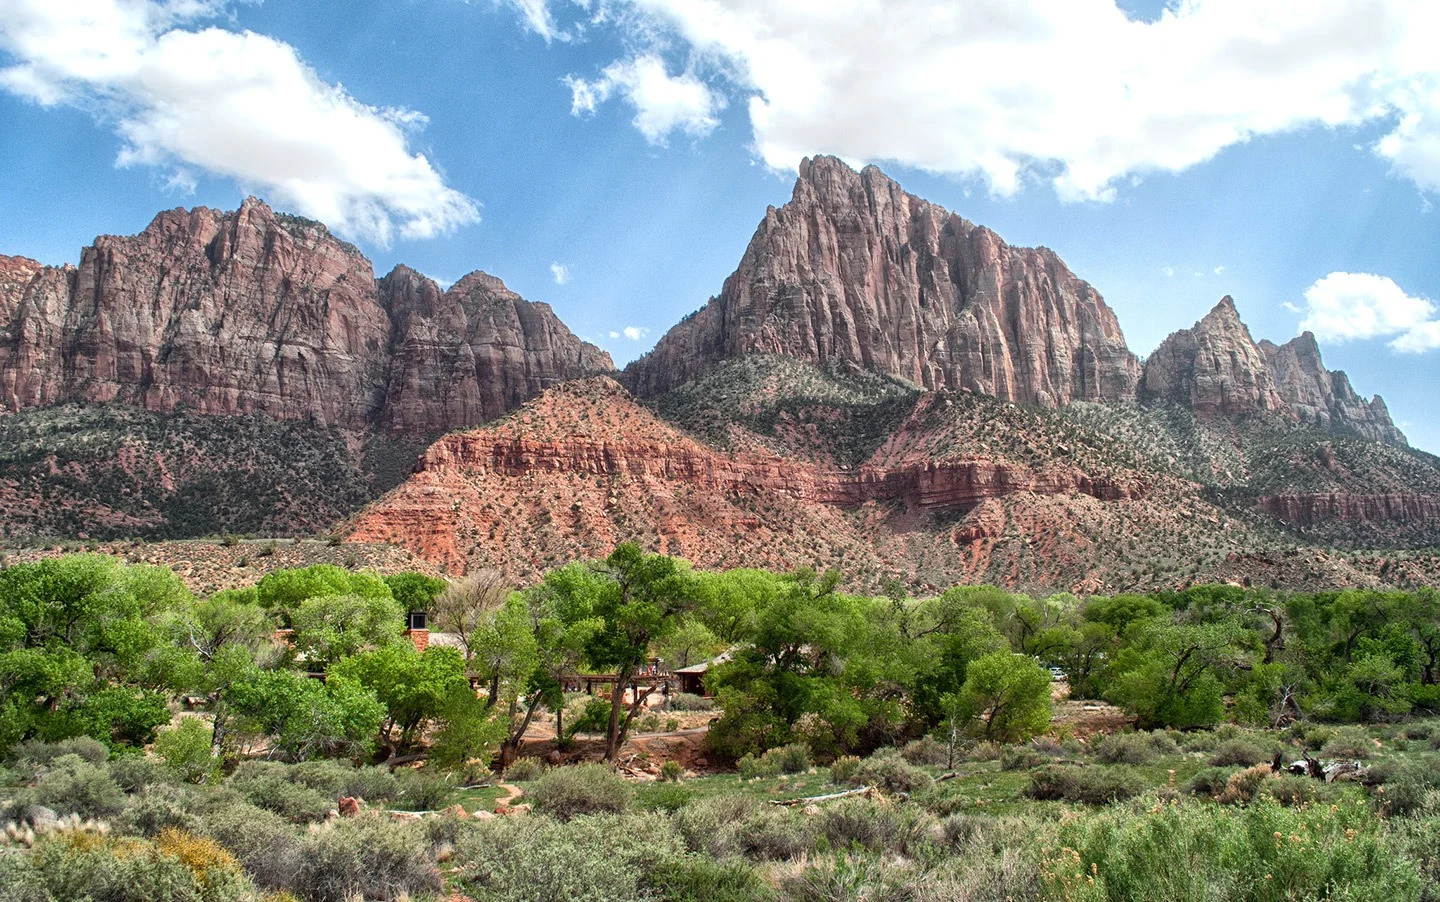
[(617, 698)]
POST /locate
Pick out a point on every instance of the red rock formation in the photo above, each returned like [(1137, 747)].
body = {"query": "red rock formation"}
[(15, 275), (590, 443), (1308, 509), (1320, 397), (1212, 367), (259, 312), (473, 352), (854, 269)]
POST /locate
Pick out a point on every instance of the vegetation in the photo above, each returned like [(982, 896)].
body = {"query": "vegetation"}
[(930, 721)]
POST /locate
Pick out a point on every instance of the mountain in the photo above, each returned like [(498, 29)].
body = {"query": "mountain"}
[(257, 312), (854, 269), (960, 487), (1215, 367), (247, 371)]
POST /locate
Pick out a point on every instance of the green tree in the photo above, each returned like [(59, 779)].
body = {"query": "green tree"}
[(283, 591), (330, 627), (414, 687), (1009, 695), (415, 591), (297, 717)]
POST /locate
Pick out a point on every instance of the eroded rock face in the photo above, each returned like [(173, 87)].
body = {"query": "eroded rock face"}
[(473, 352), (255, 312), (1323, 398), (1212, 367), (855, 269), (1308, 509)]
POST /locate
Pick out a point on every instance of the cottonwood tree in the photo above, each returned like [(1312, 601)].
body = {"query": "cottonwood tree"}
[(1008, 695), (624, 603), (466, 606)]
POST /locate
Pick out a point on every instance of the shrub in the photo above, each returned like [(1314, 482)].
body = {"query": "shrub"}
[(153, 813), (185, 748), (1202, 741), (1211, 781), (709, 825), (70, 784), (1243, 786), (567, 792), (1351, 743), (1126, 748), (1021, 757), (862, 823), (214, 868), (419, 790), (267, 847), (843, 769), (650, 723), (1292, 791), (774, 835), (607, 858), (671, 771), (1194, 851), (926, 751), (752, 768), (698, 879), (671, 725), (266, 784), (137, 773), (1087, 785), (370, 856), (789, 759), (888, 771), (524, 769), (1419, 731), (1237, 753), (985, 751), (1409, 787), (665, 797), (594, 717), (32, 753), (86, 866), (689, 701)]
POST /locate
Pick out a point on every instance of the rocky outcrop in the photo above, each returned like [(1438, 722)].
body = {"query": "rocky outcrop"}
[(257, 312), (15, 275), (1326, 507), (474, 352), (1322, 398), (1212, 367), (853, 269), (594, 462), (1215, 367)]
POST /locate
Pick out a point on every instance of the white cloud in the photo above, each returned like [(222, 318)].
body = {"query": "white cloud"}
[(561, 273), (537, 18), (663, 103), (635, 333), (1169, 272), (1219, 270), (1074, 91), (1347, 306), (233, 104)]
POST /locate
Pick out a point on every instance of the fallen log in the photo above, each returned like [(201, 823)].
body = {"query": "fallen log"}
[(866, 791)]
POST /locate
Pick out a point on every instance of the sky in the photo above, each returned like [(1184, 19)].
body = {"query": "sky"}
[(613, 157)]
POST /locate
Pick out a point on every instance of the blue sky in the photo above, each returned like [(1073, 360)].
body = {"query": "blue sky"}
[(624, 142)]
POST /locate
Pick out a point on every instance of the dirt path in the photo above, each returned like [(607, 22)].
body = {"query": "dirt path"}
[(512, 792)]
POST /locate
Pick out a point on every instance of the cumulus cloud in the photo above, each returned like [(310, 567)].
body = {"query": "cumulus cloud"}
[(1346, 306), (560, 272), (1073, 91), (633, 333), (663, 103), (187, 98)]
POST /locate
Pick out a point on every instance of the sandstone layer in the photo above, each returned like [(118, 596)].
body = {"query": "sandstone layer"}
[(1309, 509), (1322, 398), (255, 312), (855, 269)]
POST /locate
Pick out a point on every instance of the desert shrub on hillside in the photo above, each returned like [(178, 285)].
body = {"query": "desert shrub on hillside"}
[(773, 835), (568, 792), (265, 845), (268, 785), (1350, 742), (789, 759), (878, 828), (122, 869), (185, 748), (709, 825), (926, 750), (524, 769), (696, 879), (843, 769)]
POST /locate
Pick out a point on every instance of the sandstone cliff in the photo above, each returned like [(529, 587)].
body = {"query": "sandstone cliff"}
[(1320, 397), (855, 269), (1215, 367), (255, 312)]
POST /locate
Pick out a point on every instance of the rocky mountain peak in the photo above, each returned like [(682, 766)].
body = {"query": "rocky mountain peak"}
[(853, 269), (1323, 398), (1212, 367)]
